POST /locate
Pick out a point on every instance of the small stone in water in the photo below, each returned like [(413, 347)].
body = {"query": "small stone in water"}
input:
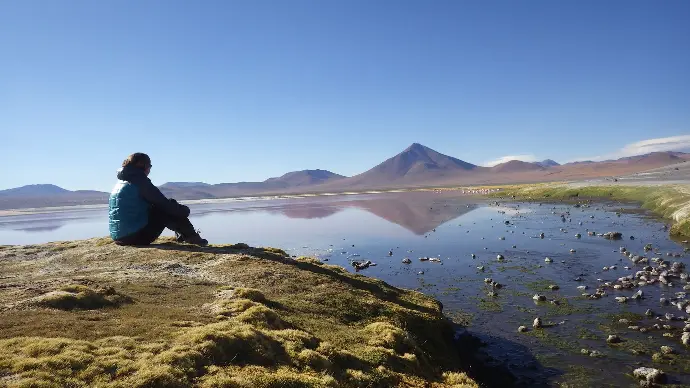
[(537, 323), (613, 339), (548, 260), (651, 375), (522, 329), (539, 298)]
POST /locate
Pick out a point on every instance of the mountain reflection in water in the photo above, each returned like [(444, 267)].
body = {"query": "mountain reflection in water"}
[(419, 213)]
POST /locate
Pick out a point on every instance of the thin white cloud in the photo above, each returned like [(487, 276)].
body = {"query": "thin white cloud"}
[(673, 143), (662, 144), (508, 158)]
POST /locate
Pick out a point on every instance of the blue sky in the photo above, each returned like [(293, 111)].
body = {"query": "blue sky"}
[(224, 91)]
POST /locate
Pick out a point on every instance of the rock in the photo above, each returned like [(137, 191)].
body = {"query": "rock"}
[(500, 258), (613, 235), (539, 298), (649, 313), (501, 238), (553, 287), (481, 268), (613, 339), (578, 235), (664, 301), (390, 253), (548, 260), (648, 247), (623, 321), (637, 295), (584, 351), (406, 261), (474, 256), (621, 299), (667, 350), (572, 251), (596, 353), (537, 323), (651, 375), (488, 280), (423, 259), (522, 329), (361, 265), (685, 339), (582, 287), (632, 237)]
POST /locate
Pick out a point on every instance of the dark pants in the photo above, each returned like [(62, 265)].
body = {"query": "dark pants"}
[(158, 221)]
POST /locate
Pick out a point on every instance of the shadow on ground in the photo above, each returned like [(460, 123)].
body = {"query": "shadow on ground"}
[(513, 366)]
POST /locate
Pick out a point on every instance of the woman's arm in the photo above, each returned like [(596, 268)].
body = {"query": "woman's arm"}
[(153, 195)]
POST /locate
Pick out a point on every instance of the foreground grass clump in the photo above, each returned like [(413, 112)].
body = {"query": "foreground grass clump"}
[(222, 316), (669, 201)]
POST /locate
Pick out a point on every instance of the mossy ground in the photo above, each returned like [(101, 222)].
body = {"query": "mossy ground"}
[(671, 202), (91, 313)]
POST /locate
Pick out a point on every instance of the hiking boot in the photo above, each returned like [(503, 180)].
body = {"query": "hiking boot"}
[(196, 240)]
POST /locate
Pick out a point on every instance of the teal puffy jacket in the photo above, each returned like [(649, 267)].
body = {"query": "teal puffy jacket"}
[(130, 202), (128, 211)]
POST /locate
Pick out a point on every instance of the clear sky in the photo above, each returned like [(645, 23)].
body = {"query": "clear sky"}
[(225, 91)]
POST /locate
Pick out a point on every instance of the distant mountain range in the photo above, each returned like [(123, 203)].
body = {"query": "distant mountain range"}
[(416, 166)]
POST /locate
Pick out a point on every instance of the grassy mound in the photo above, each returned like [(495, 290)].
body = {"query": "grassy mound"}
[(235, 317), (670, 201), (82, 297)]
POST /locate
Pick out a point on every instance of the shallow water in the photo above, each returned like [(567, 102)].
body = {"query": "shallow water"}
[(385, 228)]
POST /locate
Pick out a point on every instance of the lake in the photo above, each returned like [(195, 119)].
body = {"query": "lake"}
[(439, 232)]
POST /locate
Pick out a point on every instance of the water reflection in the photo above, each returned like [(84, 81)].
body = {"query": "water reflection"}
[(420, 213), (264, 221)]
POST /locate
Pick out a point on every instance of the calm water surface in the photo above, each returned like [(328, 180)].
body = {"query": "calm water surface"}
[(452, 228)]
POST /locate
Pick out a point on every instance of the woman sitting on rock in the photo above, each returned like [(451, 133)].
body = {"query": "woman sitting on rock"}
[(139, 212)]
